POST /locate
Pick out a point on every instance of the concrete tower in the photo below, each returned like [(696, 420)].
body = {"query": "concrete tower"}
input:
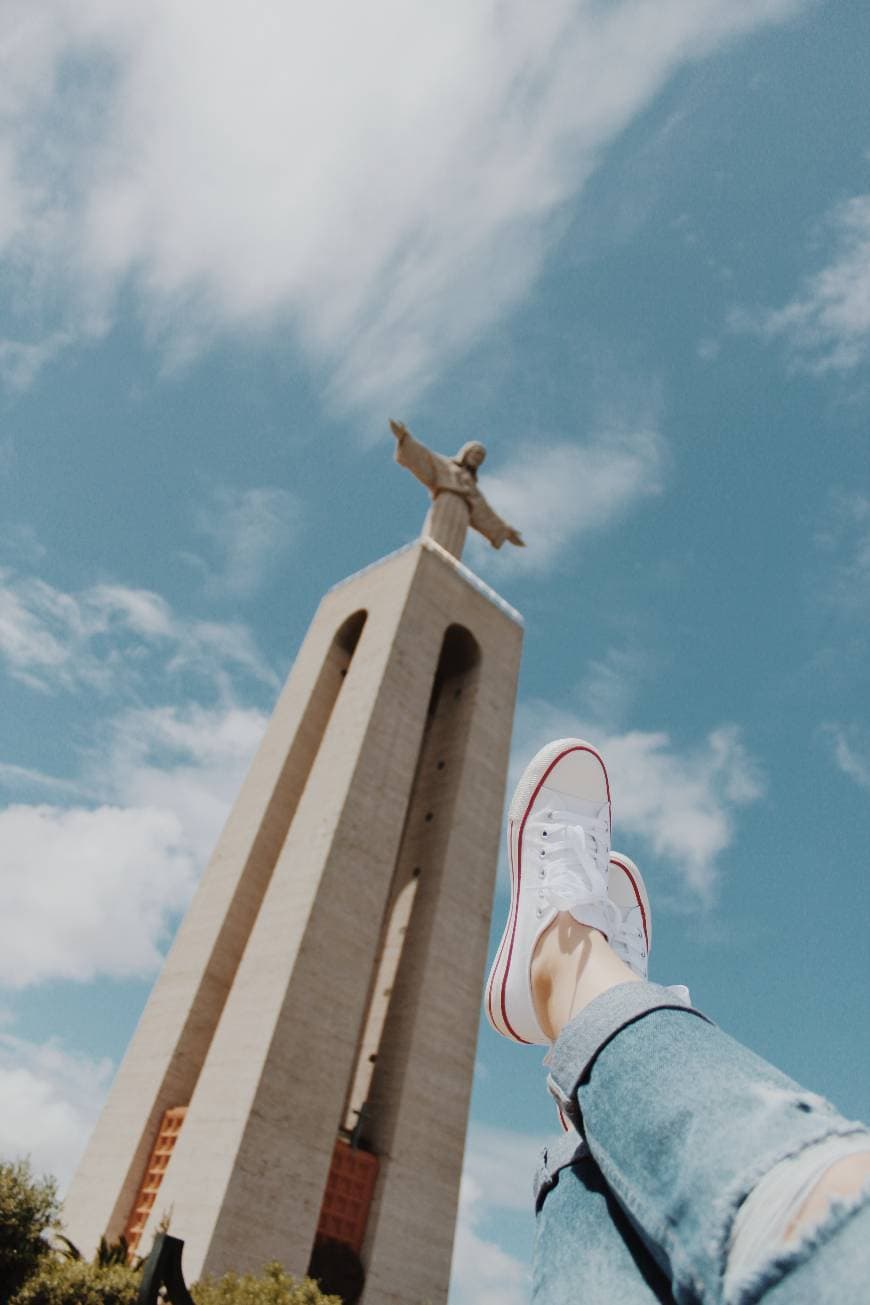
[(324, 987)]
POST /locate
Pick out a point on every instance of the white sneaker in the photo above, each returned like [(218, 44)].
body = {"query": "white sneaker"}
[(559, 854)]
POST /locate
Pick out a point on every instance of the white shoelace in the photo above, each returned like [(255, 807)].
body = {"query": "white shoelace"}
[(573, 864)]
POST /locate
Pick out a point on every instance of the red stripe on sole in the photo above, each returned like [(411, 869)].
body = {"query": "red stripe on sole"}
[(495, 964)]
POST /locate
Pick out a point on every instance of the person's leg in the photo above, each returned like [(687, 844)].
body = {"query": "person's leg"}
[(586, 1247), (687, 1126), (684, 1124)]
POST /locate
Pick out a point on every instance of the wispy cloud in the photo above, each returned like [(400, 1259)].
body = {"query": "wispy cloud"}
[(21, 362), (89, 891), (51, 639), (610, 684), (555, 493), (24, 777), (250, 530), (179, 155), (851, 753), (843, 543), (826, 326), (20, 541)]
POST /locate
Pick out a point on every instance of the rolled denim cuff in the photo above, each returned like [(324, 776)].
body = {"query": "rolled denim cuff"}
[(566, 1150), (586, 1034)]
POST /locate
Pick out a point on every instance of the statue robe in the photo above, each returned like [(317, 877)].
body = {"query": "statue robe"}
[(443, 475)]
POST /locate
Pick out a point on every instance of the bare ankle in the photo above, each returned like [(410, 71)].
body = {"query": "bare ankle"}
[(572, 964)]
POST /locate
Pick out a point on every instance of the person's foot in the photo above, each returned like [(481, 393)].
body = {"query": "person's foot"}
[(571, 966), (559, 853)]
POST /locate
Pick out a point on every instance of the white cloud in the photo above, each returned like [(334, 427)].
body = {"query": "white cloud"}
[(827, 325), (250, 529), (844, 544), (383, 179), (102, 636), (496, 1176), (851, 754), (676, 803), (20, 540), (500, 1163), (49, 1102), (91, 880), (21, 362), (483, 1272), (557, 493), (89, 891), (186, 761)]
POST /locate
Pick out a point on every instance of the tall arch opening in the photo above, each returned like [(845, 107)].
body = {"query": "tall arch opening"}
[(419, 862)]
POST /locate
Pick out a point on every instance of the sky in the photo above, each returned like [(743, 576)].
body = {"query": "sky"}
[(625, 244)]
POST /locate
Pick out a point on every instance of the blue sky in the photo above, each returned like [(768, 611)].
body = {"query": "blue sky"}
[(628, 246)]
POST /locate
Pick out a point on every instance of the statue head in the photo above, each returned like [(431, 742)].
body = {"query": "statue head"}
[(471, 455)]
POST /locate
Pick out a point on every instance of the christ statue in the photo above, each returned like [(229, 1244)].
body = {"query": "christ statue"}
[(457, 502)]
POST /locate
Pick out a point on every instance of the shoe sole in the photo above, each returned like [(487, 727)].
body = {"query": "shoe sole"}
[(569, 752)]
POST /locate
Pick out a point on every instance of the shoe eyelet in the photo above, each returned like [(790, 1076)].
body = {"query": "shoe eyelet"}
[(544, 833), (541, 873), (539, 912), (542, 852)]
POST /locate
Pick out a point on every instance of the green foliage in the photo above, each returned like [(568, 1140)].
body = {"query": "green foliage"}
[(68, 1249), (76, 1282), (272, 1287), (108, 1253), (32, 1273), (28, 1209)]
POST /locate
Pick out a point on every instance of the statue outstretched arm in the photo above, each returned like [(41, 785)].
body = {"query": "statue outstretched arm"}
[(419, 460), (491, 525)]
